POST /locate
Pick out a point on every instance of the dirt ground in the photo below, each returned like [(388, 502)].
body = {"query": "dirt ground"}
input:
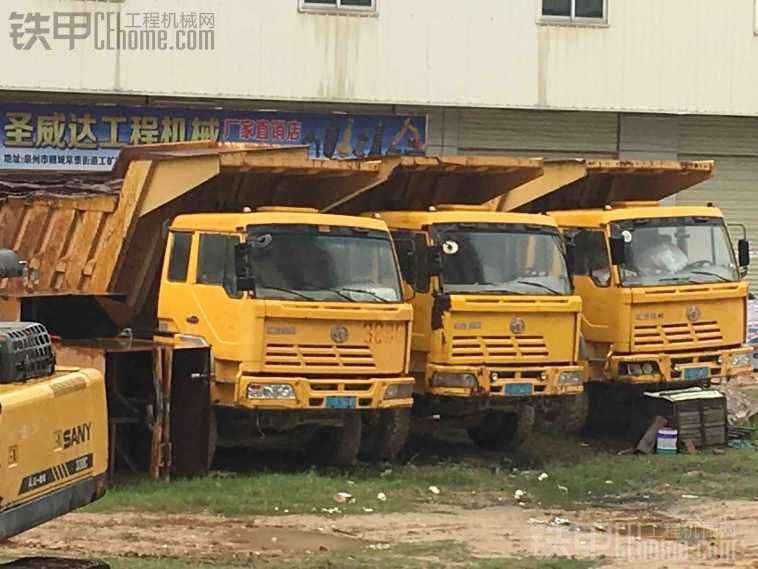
[(696, 533)]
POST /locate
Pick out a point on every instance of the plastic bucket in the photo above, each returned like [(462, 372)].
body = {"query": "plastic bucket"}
[(666, 441)]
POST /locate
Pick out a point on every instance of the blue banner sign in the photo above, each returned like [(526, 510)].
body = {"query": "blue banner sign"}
[(79, 137)]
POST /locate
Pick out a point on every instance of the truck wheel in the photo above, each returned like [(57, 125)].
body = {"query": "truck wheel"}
[(566, 413), (504, 430), (574, 411), (384, 436), (339, 446)]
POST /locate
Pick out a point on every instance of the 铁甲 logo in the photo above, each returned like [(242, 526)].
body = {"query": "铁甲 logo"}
[(339, 334)]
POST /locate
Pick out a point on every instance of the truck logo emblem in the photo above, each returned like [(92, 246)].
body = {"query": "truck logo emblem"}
[(518, 325), (339, 334), (693, 314)]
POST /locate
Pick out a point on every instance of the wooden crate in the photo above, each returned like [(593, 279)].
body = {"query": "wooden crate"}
[(698, 414)]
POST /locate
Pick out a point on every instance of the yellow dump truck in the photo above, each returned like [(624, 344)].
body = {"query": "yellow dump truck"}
[(307, 322), (53, 427), (257, 321), (496, 324), (664, 303)]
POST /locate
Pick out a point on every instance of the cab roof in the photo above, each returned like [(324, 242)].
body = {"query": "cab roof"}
[(599, 217), (237, 222), (418, 219)]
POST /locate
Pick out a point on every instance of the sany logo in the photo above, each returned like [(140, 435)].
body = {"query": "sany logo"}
[(77, 435)]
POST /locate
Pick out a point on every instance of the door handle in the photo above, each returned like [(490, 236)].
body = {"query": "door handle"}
[(192, 319)]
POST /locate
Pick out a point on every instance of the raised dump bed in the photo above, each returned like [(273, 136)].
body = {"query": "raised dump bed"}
[(581, 184)]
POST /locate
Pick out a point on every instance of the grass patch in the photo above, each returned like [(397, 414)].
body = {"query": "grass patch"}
[(472, 479), (657, 477), (406, 487)]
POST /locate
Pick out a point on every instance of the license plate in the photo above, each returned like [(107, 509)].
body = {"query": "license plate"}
[(696, 373), (338, 402), (518, 388)]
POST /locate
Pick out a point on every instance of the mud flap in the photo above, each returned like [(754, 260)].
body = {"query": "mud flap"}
[(190, 412)]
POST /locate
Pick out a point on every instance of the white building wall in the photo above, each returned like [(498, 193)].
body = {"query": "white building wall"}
[(666, 56)]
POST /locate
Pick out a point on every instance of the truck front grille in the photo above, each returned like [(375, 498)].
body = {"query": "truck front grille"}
[(497, 348), (658, 336), (312, 356)]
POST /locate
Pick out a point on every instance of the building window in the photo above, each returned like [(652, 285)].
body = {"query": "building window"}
[(339, 6), (575, 11)]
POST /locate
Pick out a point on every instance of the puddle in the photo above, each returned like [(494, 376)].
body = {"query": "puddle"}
[(288, 540), (190, 537)]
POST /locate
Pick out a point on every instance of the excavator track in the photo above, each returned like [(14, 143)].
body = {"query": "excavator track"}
[(55, 563)]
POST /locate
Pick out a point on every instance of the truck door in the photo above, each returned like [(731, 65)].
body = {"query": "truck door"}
[(213, 307), (592, 281)]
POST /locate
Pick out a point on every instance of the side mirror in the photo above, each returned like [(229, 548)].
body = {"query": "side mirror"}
[(11, 265), (434, 260), (409, 292), (618, 250), (242, 269), (406, 258), (743, 252), (570, 258)]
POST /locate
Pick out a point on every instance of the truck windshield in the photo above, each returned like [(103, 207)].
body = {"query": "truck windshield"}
[(675, 250), (492, 258), (324, 263)]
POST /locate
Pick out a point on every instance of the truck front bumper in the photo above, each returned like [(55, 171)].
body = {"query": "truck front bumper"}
[(300, 393), (711, 366), (503, 381)]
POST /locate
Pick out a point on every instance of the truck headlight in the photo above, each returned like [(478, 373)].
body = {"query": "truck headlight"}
[(643, 368), (270, 391), (741, 360), (398, 391), (570, 377), (448, 379)]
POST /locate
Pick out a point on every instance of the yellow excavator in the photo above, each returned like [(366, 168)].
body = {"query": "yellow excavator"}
[(53, 432)]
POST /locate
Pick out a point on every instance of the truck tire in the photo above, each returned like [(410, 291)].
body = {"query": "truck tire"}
[(565, 413), (385, 436), (504, 430), (575, 409), (339, 446)]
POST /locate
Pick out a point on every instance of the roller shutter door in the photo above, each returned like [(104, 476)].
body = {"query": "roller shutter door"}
[(733, 143), (551, 134), (734, 189)]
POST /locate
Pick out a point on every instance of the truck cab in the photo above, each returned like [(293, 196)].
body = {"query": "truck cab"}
[(496, 322), (663, 298), (307, 322)]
